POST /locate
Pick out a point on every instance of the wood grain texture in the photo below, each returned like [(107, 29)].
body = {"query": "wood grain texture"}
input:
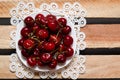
[(97, 35), (102, 35), (5, 36), (95, 8), (96, 67)]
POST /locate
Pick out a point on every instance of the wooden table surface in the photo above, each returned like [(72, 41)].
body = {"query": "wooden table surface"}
[(98, 36)]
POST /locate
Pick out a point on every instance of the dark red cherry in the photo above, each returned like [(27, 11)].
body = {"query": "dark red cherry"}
[(35, 27), (42, 33), (31, 61), (53, 63), (53, 26), (61, 47), (38, 18), (51, 18), (46, 57), (68, 40), (69, 52), (66, 30), (56, 39), (61, 58), (25, 32), (49, 46), (28, 44), (40, 63), (44, 22), (25, 53), (29, 21), (20, 42), (62, 21)]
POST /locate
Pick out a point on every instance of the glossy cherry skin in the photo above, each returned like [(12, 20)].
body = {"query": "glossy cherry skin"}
[(21, 41), (29, 21), (44, 22), (31, 61), (69, 52), (25, 53), (62, 21), (38, 18), (49, 46), (28, 44), (50, 18), (40, 63), (53, 63), (42, 33), (66, 30), (46, 57), (68, 40), (25, 32), (35, 27), (61, 47), (61, 58), (53, 26), (56, 39)]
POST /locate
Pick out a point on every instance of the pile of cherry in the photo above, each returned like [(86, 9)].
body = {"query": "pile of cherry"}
[(46, 41)]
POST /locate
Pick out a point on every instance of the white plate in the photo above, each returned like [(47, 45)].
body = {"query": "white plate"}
[(23, 60)]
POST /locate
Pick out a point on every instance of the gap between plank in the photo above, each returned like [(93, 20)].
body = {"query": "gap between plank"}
[(6, 21), (87, 51)]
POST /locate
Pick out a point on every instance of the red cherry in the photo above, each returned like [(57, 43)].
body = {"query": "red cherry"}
[(31, 61), (28, 44), (68, 40), (61, 58), (53, 26), (62, 21), (69, 52), (40, 64), (38, 18), (46, 57), (35, 27), (20, 42), (25, 32), (49, 46), (42, 33), (44, 21), (36, 52), (29, 21), (61, 47), (50, 17), (66, 30), (56, 39), (25, 53), (53, 63)]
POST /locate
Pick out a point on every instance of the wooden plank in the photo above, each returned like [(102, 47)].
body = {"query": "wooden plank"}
[(95, 8), (97, 35), (102, 35), (5, 36), (96, 67), (102, 67)]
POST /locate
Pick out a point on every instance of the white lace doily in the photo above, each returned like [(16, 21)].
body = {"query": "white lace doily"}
[(76, 14)]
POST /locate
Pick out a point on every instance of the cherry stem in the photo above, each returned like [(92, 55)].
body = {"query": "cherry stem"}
[(47, 11), (35, 38), (58, 32), (30, 35), (54, 50)]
